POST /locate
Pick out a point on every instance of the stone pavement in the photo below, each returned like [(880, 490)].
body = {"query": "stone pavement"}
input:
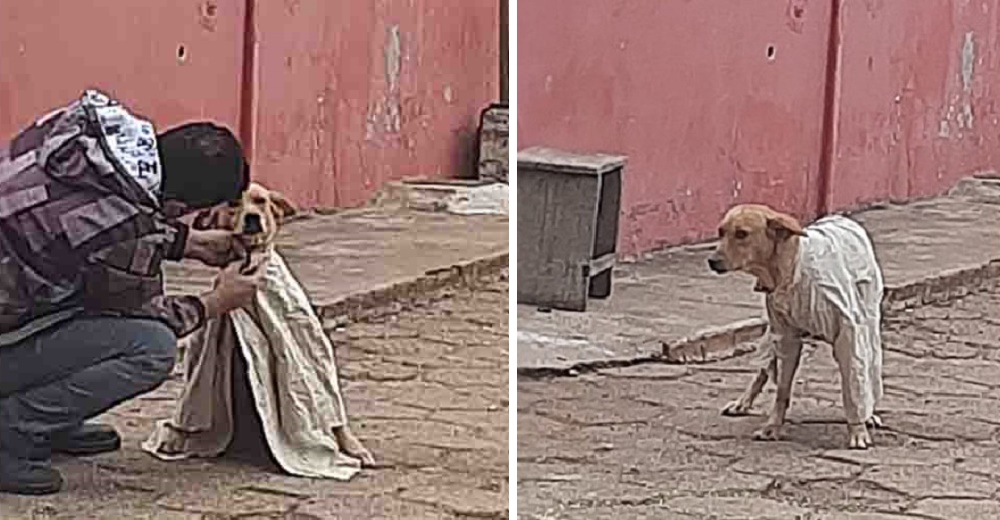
[(647, 441), (426, 390), (672, 295), (425, 385)]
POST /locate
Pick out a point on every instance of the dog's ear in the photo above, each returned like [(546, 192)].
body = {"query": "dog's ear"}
[(782, 226), (283, 205)]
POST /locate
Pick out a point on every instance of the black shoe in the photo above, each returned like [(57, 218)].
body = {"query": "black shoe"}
[(28, 477), (88, 439)]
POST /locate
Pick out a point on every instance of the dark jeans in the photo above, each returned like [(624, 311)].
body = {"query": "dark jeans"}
[(58, 378)]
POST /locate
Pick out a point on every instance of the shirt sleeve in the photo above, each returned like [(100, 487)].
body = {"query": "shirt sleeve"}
[(125, 278), (183, 314), (111, 289)]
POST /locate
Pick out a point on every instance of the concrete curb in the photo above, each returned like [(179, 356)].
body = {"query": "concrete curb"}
[(393, 297), (735, 339)]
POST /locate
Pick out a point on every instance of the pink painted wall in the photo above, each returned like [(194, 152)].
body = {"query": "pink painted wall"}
[(909, 122), (354, 94), (48, 56), (342, 96), (688, 91)]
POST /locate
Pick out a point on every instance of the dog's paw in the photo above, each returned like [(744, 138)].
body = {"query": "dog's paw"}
[(858, 437), (736, 408), (361, 453), (770, 432), (874, 422), (352, 446)]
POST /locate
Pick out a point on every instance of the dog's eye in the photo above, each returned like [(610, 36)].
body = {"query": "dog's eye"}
[(740, 234), (722, 232), (259, 200)]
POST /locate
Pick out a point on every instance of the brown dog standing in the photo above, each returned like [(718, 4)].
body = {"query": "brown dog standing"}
[(822, 281)]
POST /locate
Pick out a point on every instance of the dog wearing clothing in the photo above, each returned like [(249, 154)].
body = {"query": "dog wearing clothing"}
[(306, 370), (257, 218), (823, 282)]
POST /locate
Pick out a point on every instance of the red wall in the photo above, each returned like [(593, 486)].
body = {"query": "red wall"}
[(688, 91), (357, 93), (342, 96), (51, 51), (903, 130)]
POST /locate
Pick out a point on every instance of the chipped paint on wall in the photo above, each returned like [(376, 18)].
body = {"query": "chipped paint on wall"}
[(393, 64), (968, 61), (944, 129), (965, 117), (384, 117), (795, 15), (959, 108)]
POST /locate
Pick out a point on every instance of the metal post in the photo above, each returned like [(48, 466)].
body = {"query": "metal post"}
[(504, 24)]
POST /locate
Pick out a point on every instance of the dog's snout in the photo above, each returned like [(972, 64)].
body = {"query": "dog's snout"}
[(252, 224), (715, 263)]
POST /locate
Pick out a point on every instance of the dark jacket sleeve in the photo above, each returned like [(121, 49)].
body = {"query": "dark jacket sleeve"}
[(77, 234), (125, 278), (183, 314)]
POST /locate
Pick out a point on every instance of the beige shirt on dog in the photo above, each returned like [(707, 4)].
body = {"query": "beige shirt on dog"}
[(292, 375), (836, 296)]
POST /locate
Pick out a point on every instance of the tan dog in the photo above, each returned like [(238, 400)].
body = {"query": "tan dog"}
[(257, 218), (822, 281), (259, 214)]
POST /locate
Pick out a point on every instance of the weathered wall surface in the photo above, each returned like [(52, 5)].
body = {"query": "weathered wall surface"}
[(172, 61), (918, 103), (355, 94), (719, 106), (341, 97)]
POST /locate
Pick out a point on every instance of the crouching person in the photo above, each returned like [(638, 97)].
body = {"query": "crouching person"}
[(89, 201)]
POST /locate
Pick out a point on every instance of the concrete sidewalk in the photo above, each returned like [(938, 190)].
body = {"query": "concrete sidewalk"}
[(376, 259), (425, 389), (670, 302), (648, 441)]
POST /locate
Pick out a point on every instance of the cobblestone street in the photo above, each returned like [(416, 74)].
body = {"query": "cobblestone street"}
[(648, 441), (426, 390)]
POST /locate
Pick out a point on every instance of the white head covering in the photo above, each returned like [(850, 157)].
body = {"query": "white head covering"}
[(131, 141)]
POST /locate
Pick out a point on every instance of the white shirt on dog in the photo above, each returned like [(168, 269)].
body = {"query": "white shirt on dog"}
[(836, 296)]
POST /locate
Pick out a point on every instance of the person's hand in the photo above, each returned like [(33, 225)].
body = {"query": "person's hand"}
[(214, 247), (235, 287)]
